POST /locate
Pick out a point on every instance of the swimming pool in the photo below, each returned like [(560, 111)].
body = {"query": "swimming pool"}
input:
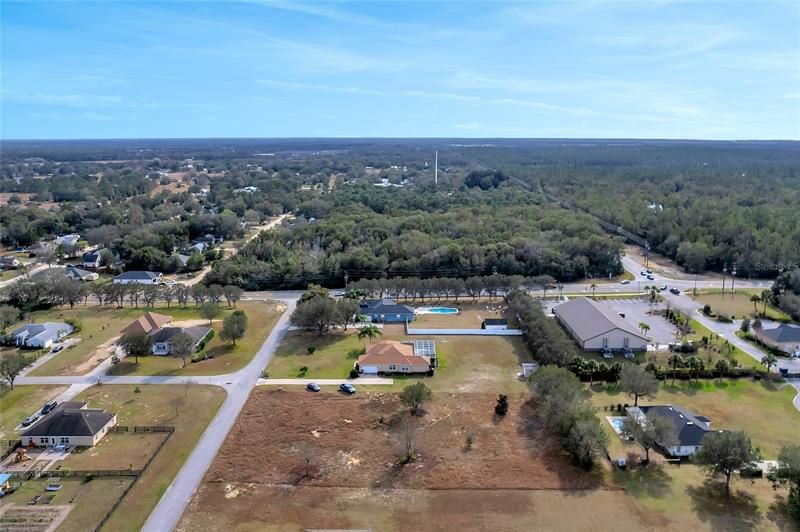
[(436, 310), (616, 422)]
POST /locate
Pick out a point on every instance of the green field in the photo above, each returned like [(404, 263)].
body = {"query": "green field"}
[(736, 305)]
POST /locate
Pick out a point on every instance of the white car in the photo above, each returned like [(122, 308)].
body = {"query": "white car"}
[(625, 281)]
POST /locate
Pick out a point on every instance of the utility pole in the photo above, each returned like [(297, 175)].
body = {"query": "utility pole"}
[(436, 169), (733, 277), (346, 277), (724, 271)]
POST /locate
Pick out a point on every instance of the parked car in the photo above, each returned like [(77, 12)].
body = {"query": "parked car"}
[(649, 271), (627, 352), (607, 353), (340, 293), (675, 291), (347, 388), (312, 386), (662, 287), (625, 281), (58, 348), (643, 272), (651, 277), (49, 406), (30, 420)]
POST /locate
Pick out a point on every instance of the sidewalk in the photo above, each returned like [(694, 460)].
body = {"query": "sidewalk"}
[(323, 382)]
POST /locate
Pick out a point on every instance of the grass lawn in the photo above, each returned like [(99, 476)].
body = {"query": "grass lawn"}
[(763, 410), (21, 402), (188, 408), (737, 305), (470, 316), (116, 451), (5, 275), (466, 363), (91, 499), (716, 348), (261, 318)]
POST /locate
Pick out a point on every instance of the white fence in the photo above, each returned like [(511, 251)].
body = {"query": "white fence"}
[(465, 332)]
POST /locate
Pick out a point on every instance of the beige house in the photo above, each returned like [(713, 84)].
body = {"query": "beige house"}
[(785, 337), (596, 326), (147, 323), (72, 424), (389, 356)]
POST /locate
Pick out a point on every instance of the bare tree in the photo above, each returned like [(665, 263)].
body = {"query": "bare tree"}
[(308, 452), (407, 436)]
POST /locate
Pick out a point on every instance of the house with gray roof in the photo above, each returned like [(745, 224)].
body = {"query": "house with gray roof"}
[(40, 335), (785, 337), (690, 429), (80, 274), (139, 277), (595, 326), (71, 423), (386, 311), (162, 338)]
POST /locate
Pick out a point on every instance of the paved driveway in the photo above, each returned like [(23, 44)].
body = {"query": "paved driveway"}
[(640, 311)]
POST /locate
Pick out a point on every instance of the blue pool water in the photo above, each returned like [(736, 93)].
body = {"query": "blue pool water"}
[(616, 422), (443, 310)]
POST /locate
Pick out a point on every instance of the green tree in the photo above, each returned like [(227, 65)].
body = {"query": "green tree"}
[(369, 331), (414, 395), (644, 327), (208, 311), (181, 346), (651, 431), (787, 474), (136, 344), (591, 367), (755, 299), (768, 361), (318, 313), (724, 452), (8, 315), (501, 408), (234, 326), (11, 366), (722, 366), (637, 382)]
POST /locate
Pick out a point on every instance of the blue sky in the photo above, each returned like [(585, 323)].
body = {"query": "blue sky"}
[(660, 69)]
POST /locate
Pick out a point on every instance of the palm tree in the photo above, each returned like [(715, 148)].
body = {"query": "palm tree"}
[(602, 370), (643, 327), (594, 287), (675, 361), (696, 365), (722, 367), (591, 368), (766, 297), (369, 331), (769, 360), (755, 300)]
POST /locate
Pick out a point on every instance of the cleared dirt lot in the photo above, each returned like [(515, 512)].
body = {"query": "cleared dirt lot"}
[(356, 443)]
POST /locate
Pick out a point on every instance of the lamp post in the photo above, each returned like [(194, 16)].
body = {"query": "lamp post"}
[(695, 284), (733, 277), (724, 271)]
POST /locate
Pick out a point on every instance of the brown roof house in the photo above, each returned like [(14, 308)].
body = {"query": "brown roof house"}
[(147, 323), (389, 356)]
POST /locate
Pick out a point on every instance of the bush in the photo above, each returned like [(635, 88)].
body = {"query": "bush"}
[(707, 309), (75, 323), (303, 371), (354, 373), (501, 408), (723, 318), (310, 349)]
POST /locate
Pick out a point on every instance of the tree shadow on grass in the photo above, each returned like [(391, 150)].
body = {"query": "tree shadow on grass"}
[(645, 481), (737, 511)]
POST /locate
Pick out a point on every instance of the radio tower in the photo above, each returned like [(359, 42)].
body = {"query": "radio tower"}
[(436, 169)]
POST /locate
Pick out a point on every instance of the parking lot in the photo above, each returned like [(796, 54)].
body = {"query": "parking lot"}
[(638, 311)]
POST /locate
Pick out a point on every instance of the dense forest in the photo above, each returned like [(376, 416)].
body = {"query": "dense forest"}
[(704, 204)]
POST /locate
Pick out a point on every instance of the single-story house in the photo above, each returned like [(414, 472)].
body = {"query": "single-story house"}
[(41, 335), (68, 240), (196, 247), (495, 324), (595, 326), (690, 429), (390, 356), (785, 337), (80, 274), (41, 248), (139, 277), (386, 310), (9, 262), (162, 338), (147, 323), (92, 259), (70, 423), (181, 258)]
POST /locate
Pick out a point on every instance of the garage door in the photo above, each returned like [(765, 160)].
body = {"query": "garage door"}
[(369, 369)]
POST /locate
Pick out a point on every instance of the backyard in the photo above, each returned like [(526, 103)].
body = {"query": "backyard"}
[(189, 408)]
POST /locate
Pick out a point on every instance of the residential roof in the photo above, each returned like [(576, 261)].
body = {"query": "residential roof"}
[(384, 306), (4, 478), (167, 333), (785, 332), (92, 256), (66, 420), (391, 352), (149, 321), (589, 319), (495, 321), (47, 329), (76, 272), (138, 275), (689, 428)]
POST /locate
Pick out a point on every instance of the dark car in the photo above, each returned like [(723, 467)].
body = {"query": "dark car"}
[(313, 387), (347, 388), (49, 406), (675, 291), (30, 421)]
